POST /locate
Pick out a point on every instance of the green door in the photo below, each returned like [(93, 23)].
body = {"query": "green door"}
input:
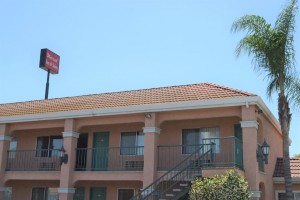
[(79, 194), (100, 151), (98, 194), (238, 145)]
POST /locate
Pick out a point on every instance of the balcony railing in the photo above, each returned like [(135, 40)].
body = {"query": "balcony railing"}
[(33, 160), (226, 152), (110, 159)]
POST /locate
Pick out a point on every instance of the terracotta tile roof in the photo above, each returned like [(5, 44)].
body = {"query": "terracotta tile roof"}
[(295, 167), (182, 93)]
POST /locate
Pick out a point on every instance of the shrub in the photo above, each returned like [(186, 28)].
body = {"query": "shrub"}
[(230, 186)]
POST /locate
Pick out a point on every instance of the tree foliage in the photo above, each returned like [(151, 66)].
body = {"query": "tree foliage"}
[(273, 54), (230, 186), (297, 155)]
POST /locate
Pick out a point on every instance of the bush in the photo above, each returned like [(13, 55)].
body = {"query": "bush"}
[(230, 186)]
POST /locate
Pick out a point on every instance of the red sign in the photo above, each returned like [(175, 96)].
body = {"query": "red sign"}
[(49, 61)]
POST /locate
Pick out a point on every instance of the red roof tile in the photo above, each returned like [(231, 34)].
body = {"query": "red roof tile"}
[(182, 93), (294, 164)]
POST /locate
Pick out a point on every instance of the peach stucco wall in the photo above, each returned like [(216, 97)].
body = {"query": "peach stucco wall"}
[(23, 189), (171, 131), (171, 125)]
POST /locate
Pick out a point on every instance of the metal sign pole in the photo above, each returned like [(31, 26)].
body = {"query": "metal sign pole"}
[(47, 85)]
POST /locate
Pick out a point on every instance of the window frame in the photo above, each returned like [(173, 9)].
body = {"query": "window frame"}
[(283, 191), (138, 151), (46, 192), (47, 153), (12, 155), (134, 191), (201, 139)]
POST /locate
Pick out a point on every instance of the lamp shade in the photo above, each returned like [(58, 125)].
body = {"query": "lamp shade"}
[(62, 152), (265, 147)]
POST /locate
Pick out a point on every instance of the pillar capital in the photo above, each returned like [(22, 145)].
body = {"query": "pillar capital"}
[(151, 130), (66, 190), (249, 124), (255, 194), (5, 138), (70, 134)]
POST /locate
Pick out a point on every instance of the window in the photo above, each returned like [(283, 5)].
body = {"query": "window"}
[(7, 193), (42, 193), (261, 163), (132, 143), (191, 138), (12, 148), (48, 146), (281, 195), (125, 194)]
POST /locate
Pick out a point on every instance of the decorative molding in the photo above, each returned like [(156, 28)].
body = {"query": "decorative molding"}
[(249, 124), (70, 134), (151, 130), (295, 180), (66, 190), (5, 138), (255, 194)]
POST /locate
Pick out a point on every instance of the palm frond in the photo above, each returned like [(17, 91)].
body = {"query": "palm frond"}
[(251, 24), (285, 25)]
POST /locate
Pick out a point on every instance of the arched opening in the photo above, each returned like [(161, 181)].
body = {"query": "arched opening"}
[(260, 134), (262, 190)]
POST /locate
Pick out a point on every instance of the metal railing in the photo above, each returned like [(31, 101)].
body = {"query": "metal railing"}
[(110, 159), (33, 160), (226, 152), (186, 170)]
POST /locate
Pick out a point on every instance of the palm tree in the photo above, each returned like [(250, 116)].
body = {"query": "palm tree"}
[(272, 54)]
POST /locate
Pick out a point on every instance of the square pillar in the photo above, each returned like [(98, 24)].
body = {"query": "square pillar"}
[(150, 155), (151, 132), (249, 126), (4, 146), (66, 189)]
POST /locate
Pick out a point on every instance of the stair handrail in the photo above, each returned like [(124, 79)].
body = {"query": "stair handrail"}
[(150, 190)]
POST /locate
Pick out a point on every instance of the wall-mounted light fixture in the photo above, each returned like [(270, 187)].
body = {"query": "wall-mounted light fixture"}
[(63, 157), (148, 115), (263, 151), (259, 111)]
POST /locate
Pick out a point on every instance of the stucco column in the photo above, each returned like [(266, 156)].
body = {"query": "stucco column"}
[(4, 145), (66, 189), (249, 125), (150, 149)]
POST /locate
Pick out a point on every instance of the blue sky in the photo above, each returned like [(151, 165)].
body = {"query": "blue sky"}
[(117, 45)]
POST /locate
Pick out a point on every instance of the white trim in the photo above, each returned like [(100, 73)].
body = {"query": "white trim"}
[(249, 124), (151, 130), (255, 194), (66, 190), (295, 180), (70, 134), (5, 138), (189, 105)]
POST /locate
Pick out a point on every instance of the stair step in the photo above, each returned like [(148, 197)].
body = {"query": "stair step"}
[(184, 184), (176, 190), (170, 195)]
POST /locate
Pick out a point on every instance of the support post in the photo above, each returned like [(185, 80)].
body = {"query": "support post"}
[(66, 189), (47, 85), (4, 145)]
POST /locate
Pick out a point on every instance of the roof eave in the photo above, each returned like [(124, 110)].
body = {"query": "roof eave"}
[(188, 105)]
